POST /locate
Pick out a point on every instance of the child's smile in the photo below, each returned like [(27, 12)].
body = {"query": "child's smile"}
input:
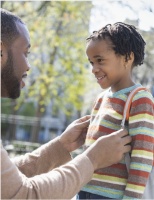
[(100, 79)]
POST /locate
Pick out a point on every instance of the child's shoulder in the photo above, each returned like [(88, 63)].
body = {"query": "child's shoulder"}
[(143, 94)]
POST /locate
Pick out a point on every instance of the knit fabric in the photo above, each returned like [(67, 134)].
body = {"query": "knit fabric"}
[(114, 181)]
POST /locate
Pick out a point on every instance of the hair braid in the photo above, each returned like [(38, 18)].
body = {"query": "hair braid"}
[(125, 39)]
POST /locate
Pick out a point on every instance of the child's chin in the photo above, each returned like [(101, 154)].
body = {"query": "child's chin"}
[(104, 87)]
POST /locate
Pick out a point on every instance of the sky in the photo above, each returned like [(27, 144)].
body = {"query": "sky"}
[(111, 11)]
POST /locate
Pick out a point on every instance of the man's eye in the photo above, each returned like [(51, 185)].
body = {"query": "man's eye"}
[(27, 53), (91, 63)]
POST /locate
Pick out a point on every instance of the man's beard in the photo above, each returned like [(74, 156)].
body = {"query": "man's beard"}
[(8, 79)]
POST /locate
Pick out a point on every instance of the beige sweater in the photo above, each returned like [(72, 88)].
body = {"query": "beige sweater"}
[(25, 177)]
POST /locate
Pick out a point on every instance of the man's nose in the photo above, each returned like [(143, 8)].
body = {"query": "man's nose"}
[(28, 66)]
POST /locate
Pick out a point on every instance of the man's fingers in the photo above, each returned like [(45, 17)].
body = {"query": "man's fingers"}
[(84, 124), (127, 148), (85, 118), (126, 139), (122, 132)]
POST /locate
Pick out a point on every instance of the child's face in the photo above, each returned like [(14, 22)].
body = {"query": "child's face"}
[(109, 68)]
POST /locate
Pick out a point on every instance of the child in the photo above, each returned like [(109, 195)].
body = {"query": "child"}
[(113, 52)]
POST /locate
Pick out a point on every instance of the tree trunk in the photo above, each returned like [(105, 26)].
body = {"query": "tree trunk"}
[(37, 125)]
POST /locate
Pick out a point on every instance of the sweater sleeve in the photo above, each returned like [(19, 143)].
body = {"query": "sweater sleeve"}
[(43, 159), (141, 128), (60, 183)]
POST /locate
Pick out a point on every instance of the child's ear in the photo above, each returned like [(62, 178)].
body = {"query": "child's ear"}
[(130, 60), (131, 57)]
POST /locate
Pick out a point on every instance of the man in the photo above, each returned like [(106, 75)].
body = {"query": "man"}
[(48, 172)]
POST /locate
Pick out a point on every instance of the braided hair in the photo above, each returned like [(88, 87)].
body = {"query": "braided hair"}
[(9, 31), (125, 39)]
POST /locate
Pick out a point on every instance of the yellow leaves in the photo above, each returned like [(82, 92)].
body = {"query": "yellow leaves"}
[(45, 80), (54, 92), (41, 102), (17, 107), (31, 93), (57, 54), (42, 110), (36, 62), (43, 91)]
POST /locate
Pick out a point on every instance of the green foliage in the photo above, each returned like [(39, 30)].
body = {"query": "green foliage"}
[(144, 73), (6, 105), (58, 30)]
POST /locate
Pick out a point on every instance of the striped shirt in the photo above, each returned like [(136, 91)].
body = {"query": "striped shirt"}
[(114, 181)]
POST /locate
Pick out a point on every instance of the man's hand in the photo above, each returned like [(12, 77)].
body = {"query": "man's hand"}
[(108, 150), (74, 135)]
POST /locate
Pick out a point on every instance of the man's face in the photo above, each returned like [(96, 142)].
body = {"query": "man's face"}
[(9, 79), (15, 64)]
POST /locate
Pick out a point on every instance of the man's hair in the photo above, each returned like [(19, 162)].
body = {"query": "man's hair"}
[(125, 39), (9, 31)]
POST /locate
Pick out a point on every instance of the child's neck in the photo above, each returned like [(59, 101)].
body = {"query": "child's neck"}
[(126, 85)]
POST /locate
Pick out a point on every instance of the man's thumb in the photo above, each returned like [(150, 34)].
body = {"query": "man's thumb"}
[(84, 124)]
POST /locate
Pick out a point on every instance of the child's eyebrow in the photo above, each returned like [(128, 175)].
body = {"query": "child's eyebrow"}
[(96, 56)]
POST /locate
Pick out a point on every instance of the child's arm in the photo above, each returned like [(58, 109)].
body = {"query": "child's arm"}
[(141, 128)]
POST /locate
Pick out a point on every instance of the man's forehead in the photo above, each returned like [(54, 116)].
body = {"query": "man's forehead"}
[(23, 38)]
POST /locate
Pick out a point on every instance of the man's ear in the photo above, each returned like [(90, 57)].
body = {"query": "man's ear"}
[(3, 54), (1, 49)]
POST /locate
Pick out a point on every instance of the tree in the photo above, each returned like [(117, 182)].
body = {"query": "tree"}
[(58, 31)]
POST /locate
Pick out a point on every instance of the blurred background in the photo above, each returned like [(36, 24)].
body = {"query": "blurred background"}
[(60, 87)]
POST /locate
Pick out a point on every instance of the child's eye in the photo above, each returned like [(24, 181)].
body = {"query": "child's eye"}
[(100, 60)]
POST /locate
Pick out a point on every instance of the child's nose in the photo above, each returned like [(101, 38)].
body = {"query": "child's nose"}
[(95, 69)]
